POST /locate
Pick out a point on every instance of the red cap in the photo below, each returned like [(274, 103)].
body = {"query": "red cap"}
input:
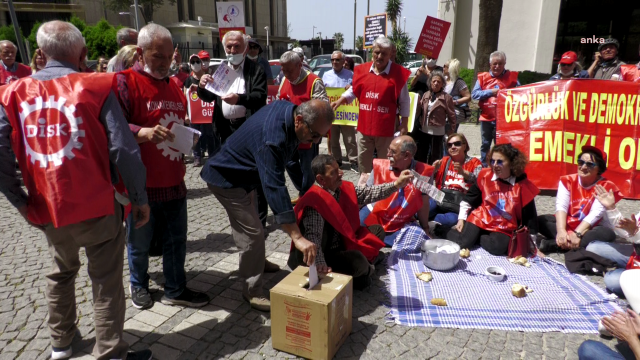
[(569, 58), (203, 55), (594, 149)]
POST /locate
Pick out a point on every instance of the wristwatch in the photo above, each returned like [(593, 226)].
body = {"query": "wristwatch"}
[(579, 234)]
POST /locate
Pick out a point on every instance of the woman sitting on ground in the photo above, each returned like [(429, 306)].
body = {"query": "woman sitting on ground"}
[(455, 175), (499, 202), (578, 212)]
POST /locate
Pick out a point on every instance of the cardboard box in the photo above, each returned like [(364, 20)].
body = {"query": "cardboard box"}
[(311, 323)]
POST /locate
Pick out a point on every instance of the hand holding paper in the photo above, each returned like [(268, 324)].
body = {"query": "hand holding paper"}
[(184, 138)]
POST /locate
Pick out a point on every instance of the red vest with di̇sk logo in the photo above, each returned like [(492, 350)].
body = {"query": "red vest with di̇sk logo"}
[(630, 72), (299, 93), (378, 97), (398, 209), (508, 80), (7, 77), (454, 180), (342, 216), (502, 203), (581, 199), (61, 146), (157, 102)]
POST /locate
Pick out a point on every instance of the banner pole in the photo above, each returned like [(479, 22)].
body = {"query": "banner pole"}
[(23, 52)]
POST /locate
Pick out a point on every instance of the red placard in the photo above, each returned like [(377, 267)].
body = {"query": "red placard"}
[(551, 121), (200, 112), (272, 91), (223, 31), (432, 37)]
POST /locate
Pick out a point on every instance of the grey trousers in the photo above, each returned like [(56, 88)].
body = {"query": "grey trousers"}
[(248, 234), (103, 239), (350, 142)]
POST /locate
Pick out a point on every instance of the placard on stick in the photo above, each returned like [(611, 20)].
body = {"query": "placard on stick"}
[(374, 26), (432, 37)]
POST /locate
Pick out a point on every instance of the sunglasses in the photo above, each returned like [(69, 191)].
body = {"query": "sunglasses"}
[(314, 134), (455, 143), (195, 62), (589, 164), (254, 47), (336, 60), (566, 64), (497, 162)]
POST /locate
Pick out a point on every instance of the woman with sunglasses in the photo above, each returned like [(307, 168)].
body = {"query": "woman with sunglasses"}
[(501, 200), (570, 68), (437, 110), (578, 212), (455, 175)]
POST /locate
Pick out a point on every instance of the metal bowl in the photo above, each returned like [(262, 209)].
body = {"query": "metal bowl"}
[(439, 261)]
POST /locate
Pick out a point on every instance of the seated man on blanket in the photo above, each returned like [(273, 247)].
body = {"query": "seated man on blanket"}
[(400, 208), (327, 215)]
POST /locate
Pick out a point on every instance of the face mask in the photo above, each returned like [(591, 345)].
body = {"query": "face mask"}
[(431, 62), (252, 57), (391, 161), (235, 59), (196, 67), (154, 74)]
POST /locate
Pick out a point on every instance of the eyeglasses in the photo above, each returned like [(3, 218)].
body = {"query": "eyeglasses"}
[(455, 143), (336, 60), (314, 134), (589, 164), (565, 65), (497, 162)]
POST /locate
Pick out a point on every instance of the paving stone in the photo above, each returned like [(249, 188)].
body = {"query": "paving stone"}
[(177, 341), (162, 352), (151, 318)]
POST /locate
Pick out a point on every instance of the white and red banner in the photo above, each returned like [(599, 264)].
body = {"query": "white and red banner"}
[(200, 112), (432, 37)]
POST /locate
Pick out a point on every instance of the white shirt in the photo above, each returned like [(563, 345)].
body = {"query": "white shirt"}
[(614, 216), (404, 101), (229, 111), (563, 199)]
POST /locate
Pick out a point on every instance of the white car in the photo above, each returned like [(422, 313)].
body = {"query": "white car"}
[(413, 66)]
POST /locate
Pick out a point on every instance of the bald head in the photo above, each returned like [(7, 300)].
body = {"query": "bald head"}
[(313, 120), (401, 152), (8, 52), (62, 41)]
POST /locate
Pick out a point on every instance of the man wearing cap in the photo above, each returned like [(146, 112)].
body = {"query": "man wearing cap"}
[(253, 54), (207, 141), (570, 68), (125, 36), (631, 72), (10, 70), (607, 64)]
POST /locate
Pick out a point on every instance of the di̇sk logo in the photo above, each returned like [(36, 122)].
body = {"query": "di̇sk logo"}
[(50, 130), (167, 121), (194, 96)]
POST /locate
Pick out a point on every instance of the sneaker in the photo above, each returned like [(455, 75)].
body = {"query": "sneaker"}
[(259, 303), (61, 353), (187, 298), (145, 354), (140, 298), (270, 267), (354, 168), (432, 225), (197, 162), (602, 330)]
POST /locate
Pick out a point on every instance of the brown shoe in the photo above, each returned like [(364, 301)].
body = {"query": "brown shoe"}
[(259, 303), (197, 162), (270, 267), (294, 201)]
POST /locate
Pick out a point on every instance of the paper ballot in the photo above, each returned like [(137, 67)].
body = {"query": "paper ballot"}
[(185, 138), (223, 78), (313, 276), (422, 184)]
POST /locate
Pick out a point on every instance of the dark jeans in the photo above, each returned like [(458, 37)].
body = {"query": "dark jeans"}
[(488, 134), (547, 227), (207, 142), (299, 168), (495, 243), (174, 213), (594, 350), (429, 147)]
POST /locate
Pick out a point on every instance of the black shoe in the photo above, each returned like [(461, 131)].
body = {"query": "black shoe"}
[(379, 259), (187, 298), (145, 354), (547, 246), (354, 168), (140, 298)]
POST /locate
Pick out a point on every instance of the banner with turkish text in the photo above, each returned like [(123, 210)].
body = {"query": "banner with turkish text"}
[(272, 92), (200, 112), (432, 37), (551, 121)]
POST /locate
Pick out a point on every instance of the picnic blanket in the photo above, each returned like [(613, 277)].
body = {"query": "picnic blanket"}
[(560, 301)]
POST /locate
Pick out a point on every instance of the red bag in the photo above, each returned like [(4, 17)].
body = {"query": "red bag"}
[(520, 244)]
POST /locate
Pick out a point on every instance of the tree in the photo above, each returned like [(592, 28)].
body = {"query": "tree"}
[(360, 43), (393, 9), (488, 33), (403, 44), (33, 43), (148, 6), (101, 40), (339, 40)]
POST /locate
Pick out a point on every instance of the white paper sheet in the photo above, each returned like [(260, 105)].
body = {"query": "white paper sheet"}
[(313, 276), (185, 138), (223, 78)]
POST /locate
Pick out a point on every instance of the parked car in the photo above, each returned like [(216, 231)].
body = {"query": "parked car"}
[(326, 59), (413, 66), (321, 69)]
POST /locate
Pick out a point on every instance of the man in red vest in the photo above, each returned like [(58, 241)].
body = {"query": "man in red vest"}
[(343, 245), (300, 86), (70, 139), (153, 104), (381, 89), (10, 70), (631, 72), (485, 91), (402, 207)]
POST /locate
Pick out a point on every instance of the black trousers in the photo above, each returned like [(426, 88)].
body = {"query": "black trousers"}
[(429, 146), (495, 243), (547, 227)]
